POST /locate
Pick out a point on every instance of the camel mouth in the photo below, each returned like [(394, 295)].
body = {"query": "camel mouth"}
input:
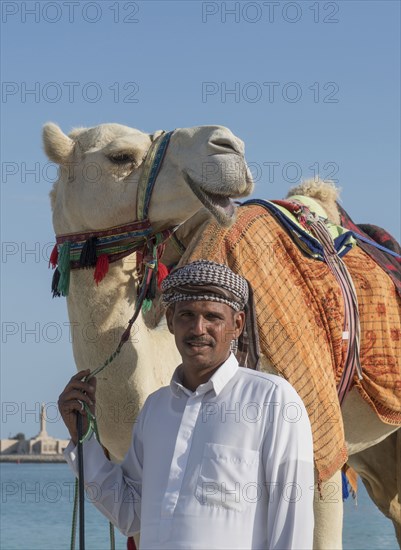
[(219, 205)]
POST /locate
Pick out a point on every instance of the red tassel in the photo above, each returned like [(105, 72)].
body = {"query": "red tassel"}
[(131, 543), (53, 257), (162, 273), (101, 269)]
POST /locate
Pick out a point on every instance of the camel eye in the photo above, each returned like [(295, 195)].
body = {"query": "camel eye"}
[(122, 158)]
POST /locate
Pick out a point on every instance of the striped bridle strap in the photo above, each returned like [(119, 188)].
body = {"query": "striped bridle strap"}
[(116, 242), (97, 249)]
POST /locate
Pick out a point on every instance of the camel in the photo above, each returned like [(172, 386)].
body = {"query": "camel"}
[(203, 169), (114, 154)]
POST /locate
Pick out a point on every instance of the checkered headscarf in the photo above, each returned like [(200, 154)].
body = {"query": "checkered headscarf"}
[(209, 281), (205, 280)]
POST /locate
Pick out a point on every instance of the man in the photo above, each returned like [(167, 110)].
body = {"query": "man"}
[(221, 458)]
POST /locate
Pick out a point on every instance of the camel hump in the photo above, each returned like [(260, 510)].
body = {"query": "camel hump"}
[(324, 192)]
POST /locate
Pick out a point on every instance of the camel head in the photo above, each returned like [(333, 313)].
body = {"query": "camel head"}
[(100, 168)]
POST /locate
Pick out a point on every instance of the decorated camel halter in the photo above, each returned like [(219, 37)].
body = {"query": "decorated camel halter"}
[(97, 249)]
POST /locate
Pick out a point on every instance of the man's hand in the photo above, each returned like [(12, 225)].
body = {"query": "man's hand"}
[(69, 405)]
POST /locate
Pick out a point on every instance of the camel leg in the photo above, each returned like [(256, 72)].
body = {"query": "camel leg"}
[(328, 511), (380, 470)]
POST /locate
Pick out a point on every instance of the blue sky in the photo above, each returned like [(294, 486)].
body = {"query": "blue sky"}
[(332, 70)]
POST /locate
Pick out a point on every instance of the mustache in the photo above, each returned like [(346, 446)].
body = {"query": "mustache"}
[(199, 340)]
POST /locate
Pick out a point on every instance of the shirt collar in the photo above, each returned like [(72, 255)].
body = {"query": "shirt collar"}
[(216, 383)]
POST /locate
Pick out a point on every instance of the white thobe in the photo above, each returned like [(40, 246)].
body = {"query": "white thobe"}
[(227, 466)]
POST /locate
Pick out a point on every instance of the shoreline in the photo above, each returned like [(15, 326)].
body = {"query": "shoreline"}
[(59, 459)]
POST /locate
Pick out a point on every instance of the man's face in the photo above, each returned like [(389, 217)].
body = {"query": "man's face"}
[(203, 332)]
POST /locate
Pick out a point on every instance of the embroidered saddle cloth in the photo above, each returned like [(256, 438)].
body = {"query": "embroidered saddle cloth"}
[(300, 310), (390, 264)]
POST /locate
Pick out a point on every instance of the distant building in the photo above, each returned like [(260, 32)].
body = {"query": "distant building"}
[(42, 444)]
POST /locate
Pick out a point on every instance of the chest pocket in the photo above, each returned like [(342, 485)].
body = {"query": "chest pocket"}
[(228, 477)]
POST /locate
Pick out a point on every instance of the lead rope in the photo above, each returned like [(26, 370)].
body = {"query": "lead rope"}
[(150, 269), (81, 485), (74, 516)]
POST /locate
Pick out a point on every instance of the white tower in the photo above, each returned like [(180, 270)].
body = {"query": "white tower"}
[(43, 432)]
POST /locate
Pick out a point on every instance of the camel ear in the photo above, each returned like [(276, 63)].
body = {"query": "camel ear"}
[(58, 147)]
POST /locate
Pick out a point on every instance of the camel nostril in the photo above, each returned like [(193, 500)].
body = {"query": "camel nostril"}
[(224, 144)]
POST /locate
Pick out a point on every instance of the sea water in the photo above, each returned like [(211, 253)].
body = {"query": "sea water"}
[(37, 503)]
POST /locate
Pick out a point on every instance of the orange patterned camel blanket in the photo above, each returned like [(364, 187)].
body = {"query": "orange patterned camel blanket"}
[(299, 309)]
